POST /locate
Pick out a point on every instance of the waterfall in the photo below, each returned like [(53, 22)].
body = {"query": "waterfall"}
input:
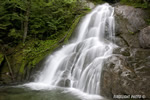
[(78, 64)]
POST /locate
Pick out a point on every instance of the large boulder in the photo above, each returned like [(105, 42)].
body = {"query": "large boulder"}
[(126, 74), (135, 17), (89, 4), (129, 22), (144, 37)]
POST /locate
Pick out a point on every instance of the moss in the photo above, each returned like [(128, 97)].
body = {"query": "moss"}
[(22, 67), (130, 32), (72, 28), (148, 21), (1, 58)]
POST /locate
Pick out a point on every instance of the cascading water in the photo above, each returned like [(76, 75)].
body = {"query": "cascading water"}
[(79, 64)]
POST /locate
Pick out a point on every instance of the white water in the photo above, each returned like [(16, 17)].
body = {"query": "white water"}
[(78, 65)]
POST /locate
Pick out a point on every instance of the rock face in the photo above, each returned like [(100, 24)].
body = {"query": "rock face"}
[(88, 4), (129, 22), (144, 37), (134, 17), (127, 71)]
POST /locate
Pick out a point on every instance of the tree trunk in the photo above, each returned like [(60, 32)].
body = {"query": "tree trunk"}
[(10, 68), (12, 76), (27, 14)]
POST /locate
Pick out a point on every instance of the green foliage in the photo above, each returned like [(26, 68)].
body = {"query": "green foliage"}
[(49, 22), (73, 27), (148, 21), (11, 16), (35, 50), (136, 3)]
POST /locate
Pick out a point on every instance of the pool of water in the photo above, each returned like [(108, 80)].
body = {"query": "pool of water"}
[(24, 93)]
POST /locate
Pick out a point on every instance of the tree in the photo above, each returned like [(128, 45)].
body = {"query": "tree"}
[(27, 14), (11, 16)]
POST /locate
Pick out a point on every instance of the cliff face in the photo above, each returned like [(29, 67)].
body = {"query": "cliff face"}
[(127, 72)]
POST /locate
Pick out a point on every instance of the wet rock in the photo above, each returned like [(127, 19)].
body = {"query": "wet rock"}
[(88, 4), (134, 17), (125, 51), (144, 37), (120, 41), (126, 74), (131, 40), (61, 82), (67, 83), (129, 22), (64, 82)]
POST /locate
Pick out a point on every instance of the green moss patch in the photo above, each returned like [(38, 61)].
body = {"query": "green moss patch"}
[(1, 58)]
